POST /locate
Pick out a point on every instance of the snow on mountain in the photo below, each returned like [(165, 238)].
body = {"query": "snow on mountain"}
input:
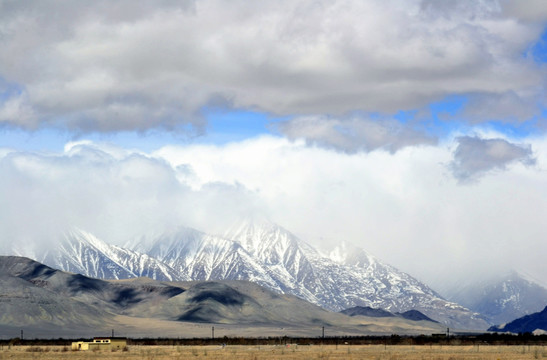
[(199, 256), (502, 298), (81, 252), (283, 255), (267, 254), (345, 278)]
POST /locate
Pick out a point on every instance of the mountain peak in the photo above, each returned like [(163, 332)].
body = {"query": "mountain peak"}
[(263, 238), (502, 297), (269, 255), (347, 254)]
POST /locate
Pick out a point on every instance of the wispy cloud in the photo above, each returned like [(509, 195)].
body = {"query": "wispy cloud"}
[(354, 134)]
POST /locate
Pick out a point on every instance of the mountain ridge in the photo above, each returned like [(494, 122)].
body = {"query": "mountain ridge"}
[(52, 302), (528, 323), (502, 298), (267, 254)]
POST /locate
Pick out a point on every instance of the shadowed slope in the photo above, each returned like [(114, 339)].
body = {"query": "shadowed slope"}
[(57, 303), (528, 323)]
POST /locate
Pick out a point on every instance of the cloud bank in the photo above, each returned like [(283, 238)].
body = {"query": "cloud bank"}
[(133, 65), (339, 73), (120, 195), (392, 205)]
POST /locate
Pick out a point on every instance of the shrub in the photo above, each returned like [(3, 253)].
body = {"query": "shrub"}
[(35, 349)]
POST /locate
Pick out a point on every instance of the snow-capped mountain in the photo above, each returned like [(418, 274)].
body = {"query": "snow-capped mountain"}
[(283, 255), (347, 278), (199, 256), (503, 298), (267, 254), (81, 252)]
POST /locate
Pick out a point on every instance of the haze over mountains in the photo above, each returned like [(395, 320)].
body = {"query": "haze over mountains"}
[(271, 256), (501, 298)]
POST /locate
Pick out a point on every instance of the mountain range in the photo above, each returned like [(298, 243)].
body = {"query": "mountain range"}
[(266, 254), (533, 323), (46, 302), (501, 298)]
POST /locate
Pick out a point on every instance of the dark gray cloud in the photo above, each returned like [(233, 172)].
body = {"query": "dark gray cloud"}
[(354, 134), (504, 107), (526, 10), (475, 157), (136, 65)]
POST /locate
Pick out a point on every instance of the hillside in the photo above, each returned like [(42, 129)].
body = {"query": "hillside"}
[(268, 255), (48, 302), (529, 323)]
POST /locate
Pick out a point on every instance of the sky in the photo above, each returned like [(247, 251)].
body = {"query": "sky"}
[(414, 129)]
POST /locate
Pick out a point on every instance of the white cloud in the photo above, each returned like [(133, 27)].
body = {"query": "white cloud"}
[(137, 65), (134, 65), (118, 195), (404, 207)]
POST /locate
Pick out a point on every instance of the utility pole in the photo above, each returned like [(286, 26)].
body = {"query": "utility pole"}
[(21, 334), (323, 333), (213, 333), (112, 332)]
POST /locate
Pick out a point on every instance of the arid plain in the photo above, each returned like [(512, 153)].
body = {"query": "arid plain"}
[(289, 352)]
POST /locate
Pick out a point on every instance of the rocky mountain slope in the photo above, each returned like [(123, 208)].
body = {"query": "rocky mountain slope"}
[(351, 278), (49, 302), (413, 315), (529, 323), (81, 252), (502, 298), (366, 311), (269, 255)]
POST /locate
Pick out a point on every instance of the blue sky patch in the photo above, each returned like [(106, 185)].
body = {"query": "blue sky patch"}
[(539, 49)]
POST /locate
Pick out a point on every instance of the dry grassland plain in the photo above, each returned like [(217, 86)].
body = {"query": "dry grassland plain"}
[(289, 352)]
